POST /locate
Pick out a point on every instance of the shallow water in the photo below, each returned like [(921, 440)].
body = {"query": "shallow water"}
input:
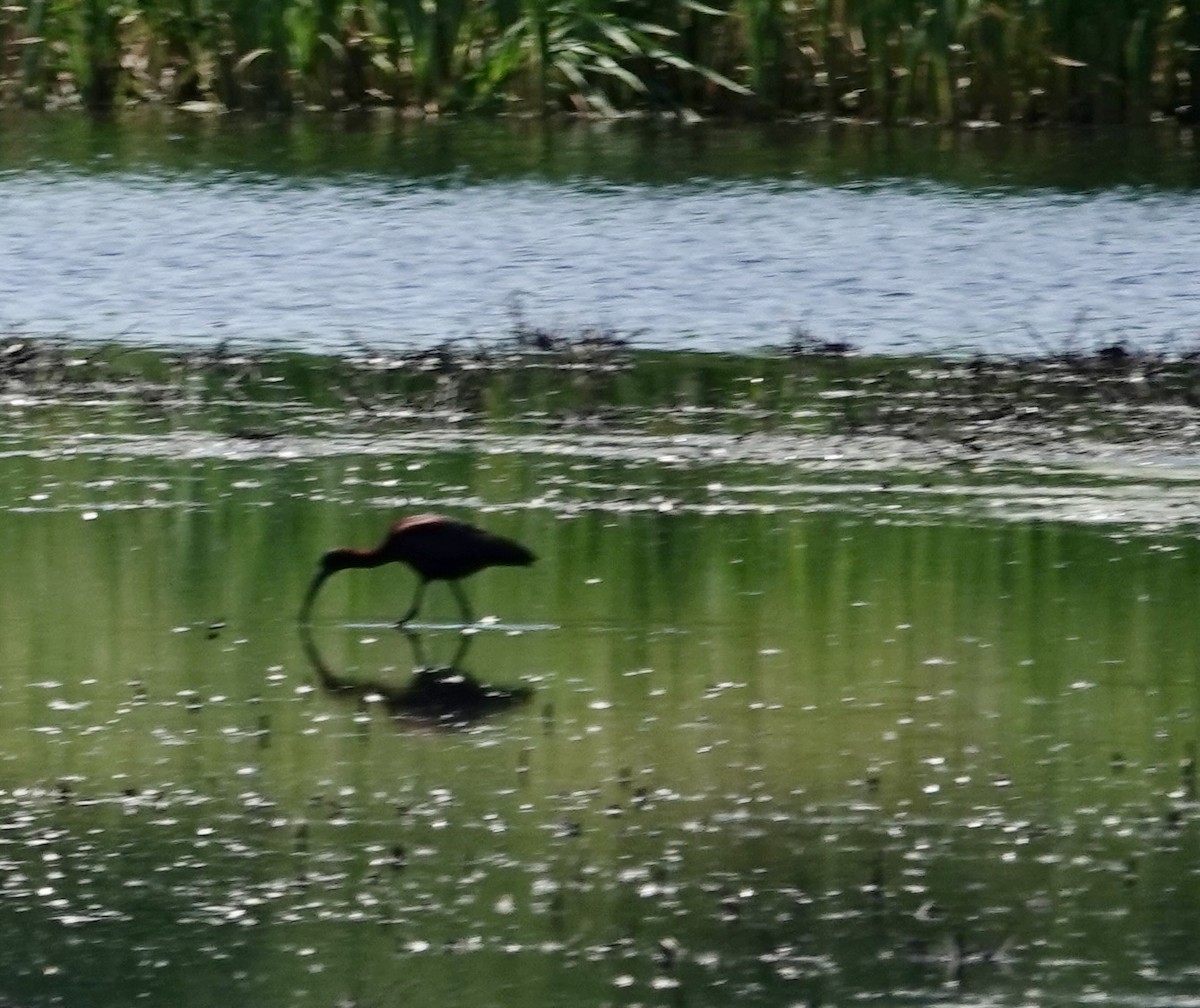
[(178, 231), (809, 718)]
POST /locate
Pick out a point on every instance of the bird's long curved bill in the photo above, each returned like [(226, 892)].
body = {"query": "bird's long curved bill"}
[(311, 594)]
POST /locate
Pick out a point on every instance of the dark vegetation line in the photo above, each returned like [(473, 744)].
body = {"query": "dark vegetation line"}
[(537, 381), (959, 61)]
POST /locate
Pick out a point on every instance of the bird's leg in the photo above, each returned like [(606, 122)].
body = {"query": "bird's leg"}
[(416, 603), (418, 649), (463, 605)]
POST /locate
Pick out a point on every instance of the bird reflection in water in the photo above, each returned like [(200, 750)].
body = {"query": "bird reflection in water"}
[(446, 695)]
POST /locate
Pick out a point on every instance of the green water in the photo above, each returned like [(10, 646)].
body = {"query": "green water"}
[(812, 718)]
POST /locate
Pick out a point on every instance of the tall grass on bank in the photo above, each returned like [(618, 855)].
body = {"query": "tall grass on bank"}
[(891, 60)]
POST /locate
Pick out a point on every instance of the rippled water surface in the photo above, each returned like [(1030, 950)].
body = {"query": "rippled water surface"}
[(779, 715), (713, 239)]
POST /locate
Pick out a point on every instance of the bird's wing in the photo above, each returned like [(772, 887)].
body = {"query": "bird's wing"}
[(416, 521)]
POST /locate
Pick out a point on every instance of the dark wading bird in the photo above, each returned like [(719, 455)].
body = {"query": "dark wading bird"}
[(437, 548)]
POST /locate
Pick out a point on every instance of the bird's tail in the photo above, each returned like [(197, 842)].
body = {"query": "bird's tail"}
[(507, 553)]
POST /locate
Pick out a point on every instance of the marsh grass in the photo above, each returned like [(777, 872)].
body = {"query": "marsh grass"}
[(540, 380), (888, 60)]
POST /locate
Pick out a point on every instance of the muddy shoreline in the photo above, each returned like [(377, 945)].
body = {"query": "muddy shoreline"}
[(538, 381)]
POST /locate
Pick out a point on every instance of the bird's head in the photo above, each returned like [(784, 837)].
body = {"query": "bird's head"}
[(331, 563)]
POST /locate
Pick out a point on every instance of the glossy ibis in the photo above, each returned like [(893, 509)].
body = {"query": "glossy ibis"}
[(437, 548)]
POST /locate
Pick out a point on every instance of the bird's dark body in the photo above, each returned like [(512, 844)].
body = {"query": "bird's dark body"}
[(442, 549), (437, 548)]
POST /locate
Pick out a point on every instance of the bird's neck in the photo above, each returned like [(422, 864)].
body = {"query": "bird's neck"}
[(353, 558)]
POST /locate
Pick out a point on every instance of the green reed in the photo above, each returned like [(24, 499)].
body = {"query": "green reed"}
[(21, 50), (96, 53), (891, 60)]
